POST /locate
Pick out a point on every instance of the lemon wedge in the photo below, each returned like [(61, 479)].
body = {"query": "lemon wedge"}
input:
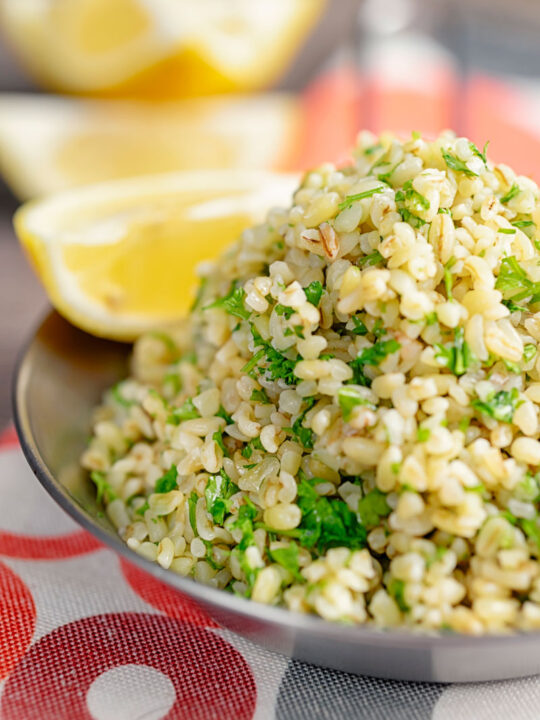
[(119, 258), (157, 48), (52, 143)]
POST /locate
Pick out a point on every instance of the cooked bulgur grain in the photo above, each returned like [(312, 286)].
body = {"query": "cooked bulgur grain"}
[(347, 423)]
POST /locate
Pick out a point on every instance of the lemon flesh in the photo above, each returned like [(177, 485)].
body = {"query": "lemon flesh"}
[(157, 49), (119, 258), (51, 143)]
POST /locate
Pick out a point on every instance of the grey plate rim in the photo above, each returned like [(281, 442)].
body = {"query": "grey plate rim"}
[(212, 597)]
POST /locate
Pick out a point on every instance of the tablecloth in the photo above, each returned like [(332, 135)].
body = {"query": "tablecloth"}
[(86, 636)]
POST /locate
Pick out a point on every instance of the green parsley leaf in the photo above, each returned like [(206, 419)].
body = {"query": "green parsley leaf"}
[(422, 434), (359, 326), (326, 523), (260, 396), (464, 423), (247, 450), (481, 154), (454, 163), (511, 194), (287, 557), (314, 292), (141, 510), (458, 358), (252, 364), (299, 432), (360, 196), (372, 507), (187, 411), (431, 318), (104, 493), (531, 529), (396, 588), (167, 482), (222, 413), (373, 148), (499, 406), (373, 355), (373, 258), (118, 398), (448, 282), (444, 211), (192, 511), (285, 311), (244, 522), (523, 223), (219, 489), (529, 351), (232, 303), (349, 397), (507, 231), (514, 283), (217, 437)]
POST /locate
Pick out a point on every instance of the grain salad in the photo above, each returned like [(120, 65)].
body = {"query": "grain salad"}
[(347, 422)]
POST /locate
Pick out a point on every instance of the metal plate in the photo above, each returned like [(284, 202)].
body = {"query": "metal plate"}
[(61, 376)]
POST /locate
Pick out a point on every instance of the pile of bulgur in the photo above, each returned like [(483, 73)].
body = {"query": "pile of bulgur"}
[(347, 422)]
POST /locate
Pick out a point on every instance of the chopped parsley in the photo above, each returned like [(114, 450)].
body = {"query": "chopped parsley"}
[(118, 398), (454, 163), (349, 397), (480, 153), (232, 303), (458, 357), (448, 282), (531, 529), (222, 413), (511, 194), (192, 511), (373, 148), (372, 507), (423, 434), (373, 258), (523, 224), (507, 231), (167, 482), (499, 406), (326, 522), (105, 493), (359, 326), (314, 292), (285, 311), (219, 489), (278, 365), (444, 211), (360, 196), (396, 589), (529, 351), (217, 437), (244, 522), (373, 355), (141, 510), (247, 450), (260, 396), (302, 434), (409, 203), (287, 557), (514, 283), (187, 411)]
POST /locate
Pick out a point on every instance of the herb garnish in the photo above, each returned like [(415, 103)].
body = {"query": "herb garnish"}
[(232, 302), (454, 163), (349, 199), (373, 355), (167, 482), (499, 406)]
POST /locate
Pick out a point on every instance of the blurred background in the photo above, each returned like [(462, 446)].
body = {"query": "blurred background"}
[(100, 89)]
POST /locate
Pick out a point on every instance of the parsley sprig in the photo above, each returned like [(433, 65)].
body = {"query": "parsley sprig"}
[(350, 199), (232, 302), (500, 406), (514, 283), (373, 355), (458, 357), (454, 163)]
